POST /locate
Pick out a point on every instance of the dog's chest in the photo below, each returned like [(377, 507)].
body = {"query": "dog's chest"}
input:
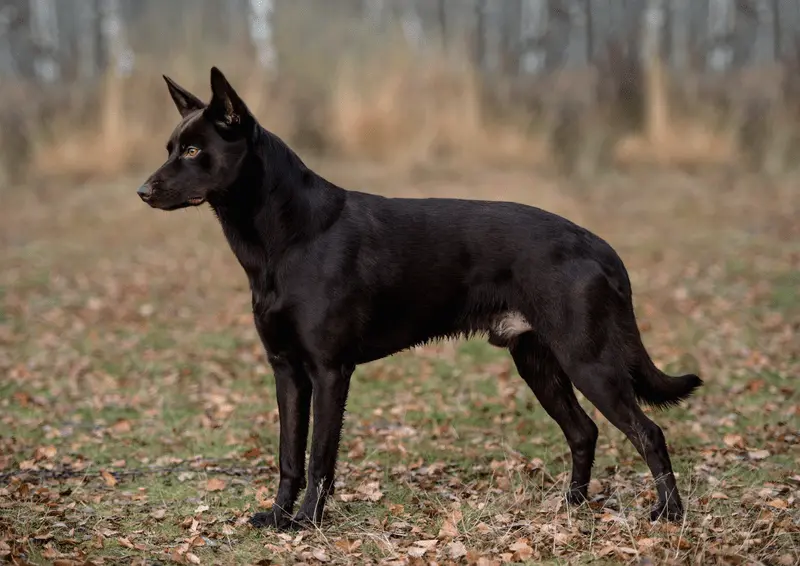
[(276, 327)]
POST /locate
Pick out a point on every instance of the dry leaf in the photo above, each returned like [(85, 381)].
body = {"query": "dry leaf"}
[(758, 454), (646, 543), (448, 529), (45, 453), (456, 549), (50, 552), (125, 542), (371, 491), (778, 504), (420, 547), (348, 546), (109, 479), (192, 558), (197, 541), (252, 454), (158, 514), (521, 549), (121, 426), (215, 484), (733, 440)]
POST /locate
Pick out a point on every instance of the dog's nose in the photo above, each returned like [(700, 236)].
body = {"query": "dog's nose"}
[(145, 191)]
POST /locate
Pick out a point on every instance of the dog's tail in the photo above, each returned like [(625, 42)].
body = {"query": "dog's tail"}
[(654, 387)]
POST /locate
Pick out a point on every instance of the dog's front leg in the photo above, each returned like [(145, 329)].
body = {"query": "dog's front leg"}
[(294, 405), (330, 396)]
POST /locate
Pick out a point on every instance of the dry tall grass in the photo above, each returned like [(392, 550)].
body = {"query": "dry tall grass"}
[(374, 99)]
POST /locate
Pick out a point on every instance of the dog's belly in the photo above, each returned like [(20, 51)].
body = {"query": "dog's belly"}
[(503, 328)]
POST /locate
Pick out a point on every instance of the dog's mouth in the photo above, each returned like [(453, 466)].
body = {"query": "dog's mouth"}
[(194, 201), (188, 203)]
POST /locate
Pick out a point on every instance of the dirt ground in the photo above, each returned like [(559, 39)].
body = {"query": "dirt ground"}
[(138, 422)]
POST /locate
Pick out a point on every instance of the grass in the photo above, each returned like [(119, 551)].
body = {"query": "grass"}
[(139, 422)]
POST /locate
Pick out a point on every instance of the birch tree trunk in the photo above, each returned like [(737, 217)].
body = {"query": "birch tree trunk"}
[(374, 12), (721, 14), (87, 39), (490, 36), (764, 48), (411, 23), (578, 46), (8, 63), (261, 12), (533, 30), (120, 60), (44, 32), (680, 34), (120, 56)]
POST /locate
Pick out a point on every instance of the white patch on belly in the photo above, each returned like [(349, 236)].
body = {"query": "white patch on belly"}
[(510, 324)]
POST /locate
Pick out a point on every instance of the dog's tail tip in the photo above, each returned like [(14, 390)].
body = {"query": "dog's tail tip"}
[(662, 391)]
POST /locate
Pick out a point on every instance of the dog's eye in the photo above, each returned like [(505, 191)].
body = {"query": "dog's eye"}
[(190, 152)]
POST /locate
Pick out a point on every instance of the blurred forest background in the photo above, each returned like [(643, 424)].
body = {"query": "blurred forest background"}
[(584, 84), (138, 420)]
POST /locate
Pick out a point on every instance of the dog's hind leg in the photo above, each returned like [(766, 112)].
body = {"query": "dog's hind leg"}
[(539, 368), (593, 342), (608, 388)]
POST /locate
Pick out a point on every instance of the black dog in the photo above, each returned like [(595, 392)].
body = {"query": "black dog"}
[(341, 278)]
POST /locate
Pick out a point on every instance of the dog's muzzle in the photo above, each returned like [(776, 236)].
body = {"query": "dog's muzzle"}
[(145, 192)]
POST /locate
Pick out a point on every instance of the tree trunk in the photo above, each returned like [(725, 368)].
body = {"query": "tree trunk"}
[(44, 32), (656, 96), (87, 39), (721, 14), (680, 34), (533, 30), (261, 12), (119, 58), (375, 12), (411, 23), (8, 63)]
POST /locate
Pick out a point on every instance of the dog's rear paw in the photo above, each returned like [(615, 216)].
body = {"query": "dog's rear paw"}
[(274, 519), (577, 496), (302, 521), (670, 511)]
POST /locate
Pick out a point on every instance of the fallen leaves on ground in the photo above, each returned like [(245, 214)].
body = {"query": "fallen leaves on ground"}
[(138, 420)]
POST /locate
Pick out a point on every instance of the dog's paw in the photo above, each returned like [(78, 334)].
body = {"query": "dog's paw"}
[(302, 521), (576, 497), (275, 519), (671, 511)]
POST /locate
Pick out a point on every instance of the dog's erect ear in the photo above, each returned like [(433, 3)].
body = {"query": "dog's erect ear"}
[(226, 108), (184, 100)]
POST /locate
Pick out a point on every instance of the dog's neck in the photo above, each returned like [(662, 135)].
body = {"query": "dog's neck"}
[(275, 203)]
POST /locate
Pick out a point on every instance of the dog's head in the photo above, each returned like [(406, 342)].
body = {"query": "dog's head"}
[(205, 151)]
